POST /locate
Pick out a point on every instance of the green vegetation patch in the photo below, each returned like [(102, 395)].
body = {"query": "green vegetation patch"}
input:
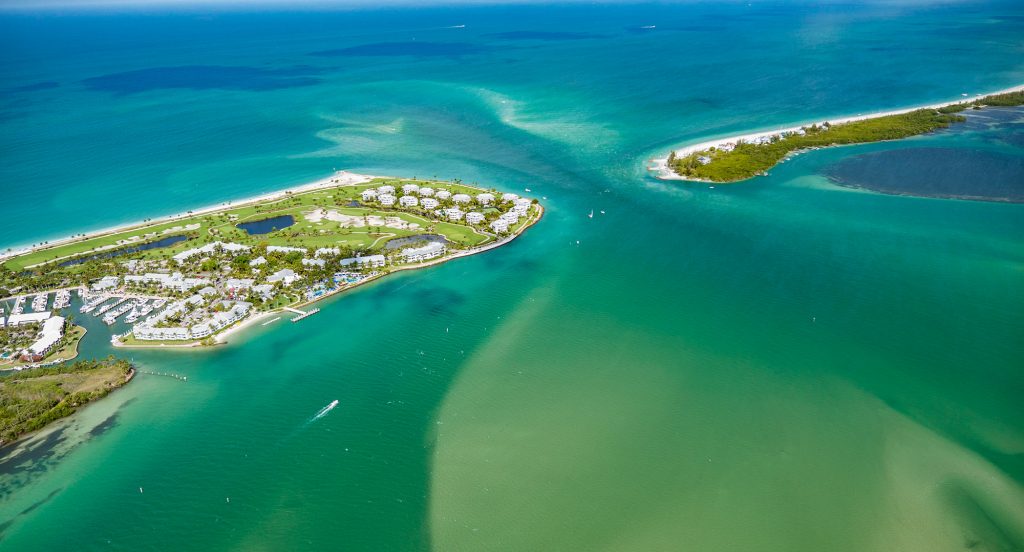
[(747, 160), (31, 399)]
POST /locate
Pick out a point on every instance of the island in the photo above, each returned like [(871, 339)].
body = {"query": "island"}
[(192, 279), (31, 399), (739, 158)]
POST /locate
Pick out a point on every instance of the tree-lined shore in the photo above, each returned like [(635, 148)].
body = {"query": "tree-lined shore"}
[(743, 160)]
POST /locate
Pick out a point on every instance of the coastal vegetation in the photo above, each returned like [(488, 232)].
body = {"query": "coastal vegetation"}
[(222, 225), (181, 282), (31, 399), (743, 160)]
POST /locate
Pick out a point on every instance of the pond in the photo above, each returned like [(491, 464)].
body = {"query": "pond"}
[(267, 225), (418, 239), (170, 240)]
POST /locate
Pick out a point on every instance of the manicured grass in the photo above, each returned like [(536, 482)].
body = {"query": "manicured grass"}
[(221, 225)]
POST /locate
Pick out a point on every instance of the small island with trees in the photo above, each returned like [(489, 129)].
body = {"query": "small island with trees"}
[(31, 399), (741, 158)]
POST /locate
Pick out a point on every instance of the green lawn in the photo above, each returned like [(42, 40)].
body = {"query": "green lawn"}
[(220, 225)]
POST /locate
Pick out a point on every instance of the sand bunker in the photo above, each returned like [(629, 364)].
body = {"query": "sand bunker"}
[(351, 221)]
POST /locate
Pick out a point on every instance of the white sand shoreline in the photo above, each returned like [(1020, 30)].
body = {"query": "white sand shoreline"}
[(339, 178), (659, 165)]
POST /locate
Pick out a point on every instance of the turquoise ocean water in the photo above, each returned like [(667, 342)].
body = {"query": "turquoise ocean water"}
[(779, 365)]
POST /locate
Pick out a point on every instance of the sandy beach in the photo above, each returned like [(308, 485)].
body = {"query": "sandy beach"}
[(340, 178), (659, 166)]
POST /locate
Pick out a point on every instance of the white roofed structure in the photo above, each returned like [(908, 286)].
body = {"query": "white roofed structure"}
[(27, 318), (365, 260), (418, 254), (285, 249), (50, 334)]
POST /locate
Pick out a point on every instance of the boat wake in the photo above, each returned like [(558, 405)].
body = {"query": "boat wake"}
[(323, 411)]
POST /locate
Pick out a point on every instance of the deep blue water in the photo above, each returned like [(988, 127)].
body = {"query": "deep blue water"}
[(267, 225), (980, 159), (175, 110)]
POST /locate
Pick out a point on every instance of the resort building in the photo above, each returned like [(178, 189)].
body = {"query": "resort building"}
[(419, 254), (461, 198), (509, 197), (258, 261), (208, 291), (510, 217), (386, 200), (703, 160), (429, 203), (49, 336), (235, 285), (106, 282), (373, 261), (523, 201), (426, 192), (266, 291), (453, 213), (328, 251), (174, 281), (208, 249), (150, 333), (521, 210), (314, 262), (381, 190), (443, 195), (485, 198), (500, 226), (28, 318), (410, 189), (408, 201), (285, 249), (286, 276), (474, 217), (369, 195)]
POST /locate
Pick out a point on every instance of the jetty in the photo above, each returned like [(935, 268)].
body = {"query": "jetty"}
[(302, 314)]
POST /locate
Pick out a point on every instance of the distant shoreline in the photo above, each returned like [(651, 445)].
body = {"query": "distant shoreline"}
[(659, 165)]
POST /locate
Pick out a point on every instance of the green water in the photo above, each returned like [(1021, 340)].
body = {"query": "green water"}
[(780, 365)]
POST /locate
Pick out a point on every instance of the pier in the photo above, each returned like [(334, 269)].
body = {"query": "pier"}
[(301, 314)]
